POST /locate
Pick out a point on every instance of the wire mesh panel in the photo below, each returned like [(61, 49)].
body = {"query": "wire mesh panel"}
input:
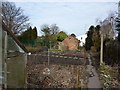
[(16, 72), (16, 65), (3, 56), (13, 61)]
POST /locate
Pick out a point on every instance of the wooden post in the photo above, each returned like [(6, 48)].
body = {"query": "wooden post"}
[(77, 81), (48, 57), (101, 54)]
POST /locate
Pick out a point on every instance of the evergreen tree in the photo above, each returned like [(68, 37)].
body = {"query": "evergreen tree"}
[(89, 41), (96, 38), (29, 34), (73, 35), (118, 28), (61, 36), (34, 33), (119, 36)]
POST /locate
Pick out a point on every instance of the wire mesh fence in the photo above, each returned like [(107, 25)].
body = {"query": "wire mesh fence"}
[(35, 43)]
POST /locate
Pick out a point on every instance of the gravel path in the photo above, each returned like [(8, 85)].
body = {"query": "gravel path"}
[(93, 81)]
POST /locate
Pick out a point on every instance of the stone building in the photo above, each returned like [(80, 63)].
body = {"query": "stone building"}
[(70, 43)]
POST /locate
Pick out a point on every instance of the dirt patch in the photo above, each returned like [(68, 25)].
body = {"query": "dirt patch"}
[(56, 76)]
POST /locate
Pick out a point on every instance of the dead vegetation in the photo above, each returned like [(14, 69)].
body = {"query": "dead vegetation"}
[(56, 76), (109, 76)]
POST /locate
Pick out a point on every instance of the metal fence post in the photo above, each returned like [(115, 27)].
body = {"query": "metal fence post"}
[(1, 60)]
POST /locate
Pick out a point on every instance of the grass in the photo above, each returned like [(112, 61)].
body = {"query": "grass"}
[(56, 50), (33, 49)]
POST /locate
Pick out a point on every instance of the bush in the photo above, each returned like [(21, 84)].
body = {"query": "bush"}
[(93, 49), (112, 52)]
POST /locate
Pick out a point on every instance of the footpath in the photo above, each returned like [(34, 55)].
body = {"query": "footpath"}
[(93, 80)]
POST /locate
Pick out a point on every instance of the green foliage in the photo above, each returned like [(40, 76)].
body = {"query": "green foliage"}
[(97, 28), (118, 24), (119, 36), (33, 49), (93, 38), (46, 31), (109, 80), (96, 38), (118, 28), (29, 35), (73, 35), (56, 50), (112, 52), (35, 33), (89, 41), (80, 47), (50, 32), (61, 36)]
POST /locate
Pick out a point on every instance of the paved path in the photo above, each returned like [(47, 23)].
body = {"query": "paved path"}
[(93, 81)]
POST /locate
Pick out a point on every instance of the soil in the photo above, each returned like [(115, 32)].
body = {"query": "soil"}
[(62, 72), (56, 76), (69, 70)]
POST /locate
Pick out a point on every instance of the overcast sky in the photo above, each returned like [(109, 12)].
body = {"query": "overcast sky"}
[(72, 17)]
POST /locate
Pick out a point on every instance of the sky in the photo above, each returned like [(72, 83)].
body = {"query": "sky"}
[(64, 0), (70, 16)]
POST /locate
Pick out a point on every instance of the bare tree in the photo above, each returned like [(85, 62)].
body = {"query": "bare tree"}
[(107, 26), (54, 29), (45, 29), (13, 18)]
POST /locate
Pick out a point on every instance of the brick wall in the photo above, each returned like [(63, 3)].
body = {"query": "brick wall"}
[(70, 43)]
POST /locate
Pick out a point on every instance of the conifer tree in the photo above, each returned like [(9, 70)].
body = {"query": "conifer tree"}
[(89, 41)]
